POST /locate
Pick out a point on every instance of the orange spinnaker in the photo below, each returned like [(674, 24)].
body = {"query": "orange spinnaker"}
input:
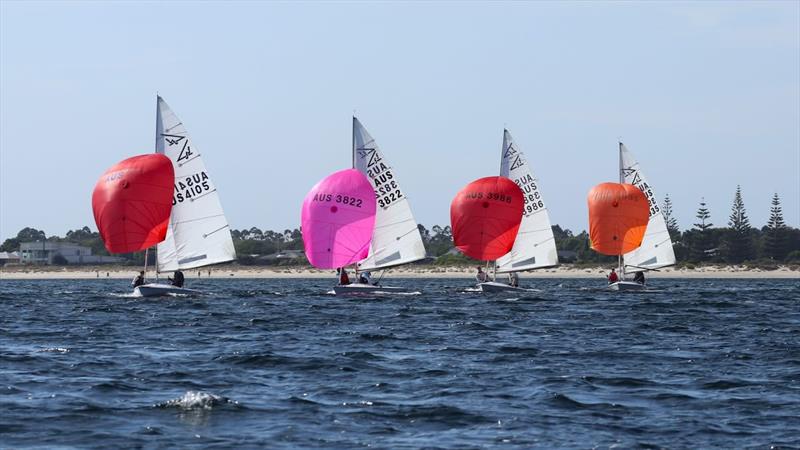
[(485, 217), (618, 215)]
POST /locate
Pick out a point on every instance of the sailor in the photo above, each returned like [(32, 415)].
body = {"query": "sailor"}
[(365, 277), (612, 277), (139, 280), (481, 276), (344, 279), (513, 279), (178, 280), (639, 277)]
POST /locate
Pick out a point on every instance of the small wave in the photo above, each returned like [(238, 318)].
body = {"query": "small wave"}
[(195, 400), (376, 336), (526, 351), (618, 381), (54, 350), (566, 402), (724, 384)]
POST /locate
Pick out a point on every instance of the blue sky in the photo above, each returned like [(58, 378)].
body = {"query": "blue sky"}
[(706, 95)]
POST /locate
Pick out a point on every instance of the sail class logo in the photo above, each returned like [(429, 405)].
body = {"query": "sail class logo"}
[(374, 157), (173, 139)]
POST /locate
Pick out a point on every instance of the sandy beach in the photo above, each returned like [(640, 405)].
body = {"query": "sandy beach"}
[(563, 271)]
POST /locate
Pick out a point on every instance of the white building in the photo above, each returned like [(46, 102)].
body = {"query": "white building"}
[(43, 252), (9, 258)]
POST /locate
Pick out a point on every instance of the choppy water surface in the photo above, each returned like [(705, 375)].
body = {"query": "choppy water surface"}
[(702, 363)]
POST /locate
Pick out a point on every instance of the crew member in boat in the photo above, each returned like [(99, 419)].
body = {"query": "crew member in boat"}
[(639, 277), (612, 277), (513, 279), (178, 280), (344, 279), (365, 277), (482, 276), (139, 280)]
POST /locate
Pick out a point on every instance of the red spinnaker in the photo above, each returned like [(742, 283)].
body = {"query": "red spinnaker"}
[(485, 217), (618, 216), (132, 202)]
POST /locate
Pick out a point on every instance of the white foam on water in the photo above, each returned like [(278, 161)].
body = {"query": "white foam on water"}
[(133, 294), (54, 350), (196, 400)]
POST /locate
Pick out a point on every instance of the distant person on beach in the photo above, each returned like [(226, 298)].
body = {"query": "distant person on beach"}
[(513, 279), (639, 277), (481, 276), (612, 277), (178, 280), (139, 280), (344, 279)]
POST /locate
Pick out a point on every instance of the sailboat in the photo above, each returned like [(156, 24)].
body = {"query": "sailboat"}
[(485, 217), (535, 245), (198, 234), (628, 223), (396, 239), (132, 202)]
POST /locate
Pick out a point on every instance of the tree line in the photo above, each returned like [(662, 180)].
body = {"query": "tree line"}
[(736, 243)]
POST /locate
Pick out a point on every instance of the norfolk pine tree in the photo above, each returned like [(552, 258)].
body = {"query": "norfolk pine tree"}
[(739, 239)]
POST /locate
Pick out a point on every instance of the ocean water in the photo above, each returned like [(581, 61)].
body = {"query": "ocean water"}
[(280, 364)]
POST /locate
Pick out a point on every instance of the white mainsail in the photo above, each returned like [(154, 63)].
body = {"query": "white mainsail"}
[(535, 246), (656, 249), (198, 234), (396, 239)]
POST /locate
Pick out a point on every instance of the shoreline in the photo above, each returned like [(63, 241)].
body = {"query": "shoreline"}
[(251, 272)]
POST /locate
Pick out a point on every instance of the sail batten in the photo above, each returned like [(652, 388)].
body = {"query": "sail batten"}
[(653, 253), (396, 230), (194, 238), (535, 244)]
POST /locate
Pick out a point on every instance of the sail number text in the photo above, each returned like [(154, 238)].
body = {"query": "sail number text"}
[(648, 193), (386, 189), (338, 198), (191, 187), (533, 199)]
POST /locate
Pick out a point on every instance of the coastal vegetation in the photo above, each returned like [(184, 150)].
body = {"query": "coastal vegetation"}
[(737, 243)]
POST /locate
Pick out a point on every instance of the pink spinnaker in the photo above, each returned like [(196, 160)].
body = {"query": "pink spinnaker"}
[(338, 218)]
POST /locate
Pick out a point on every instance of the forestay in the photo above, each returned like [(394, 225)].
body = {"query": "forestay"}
[(198, 233), (656, 249), (535, 246), (396, 239)]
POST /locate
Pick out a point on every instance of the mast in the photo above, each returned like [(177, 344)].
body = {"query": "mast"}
[(353, 166), (145, 262), (620, 267), (158, 121)]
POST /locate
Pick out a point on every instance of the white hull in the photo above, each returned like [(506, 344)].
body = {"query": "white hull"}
[(158, 289), (493, 286), (366, 289), (626, 286)]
